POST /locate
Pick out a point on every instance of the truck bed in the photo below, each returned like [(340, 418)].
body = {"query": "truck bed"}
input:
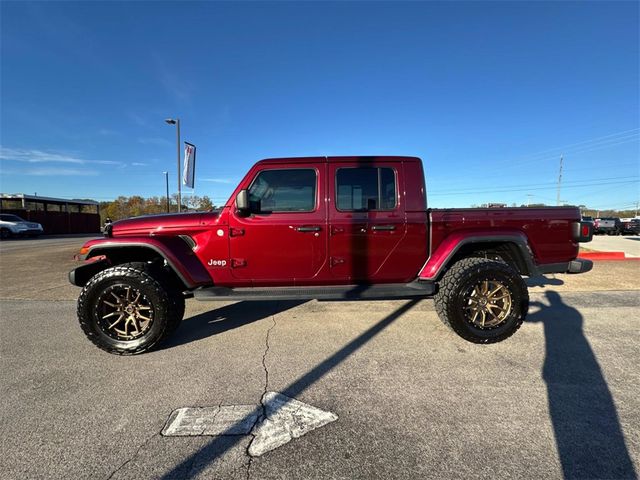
[(549, 230)]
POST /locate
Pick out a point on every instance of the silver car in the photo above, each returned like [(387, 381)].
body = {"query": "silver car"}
[(13, 225)]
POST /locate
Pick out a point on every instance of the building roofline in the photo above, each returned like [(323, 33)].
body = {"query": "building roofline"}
[(37, 198)]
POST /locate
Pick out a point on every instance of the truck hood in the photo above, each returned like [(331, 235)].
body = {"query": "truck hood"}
[(163, 223)]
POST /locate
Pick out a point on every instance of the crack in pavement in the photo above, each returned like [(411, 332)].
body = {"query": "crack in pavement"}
[(132, 456), (266, 388)]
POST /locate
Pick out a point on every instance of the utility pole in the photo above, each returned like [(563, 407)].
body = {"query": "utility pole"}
[(529, 199), (559, 182)]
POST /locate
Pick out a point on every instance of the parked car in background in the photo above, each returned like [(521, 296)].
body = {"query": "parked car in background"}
[(631, 226), (588, 219), (608, 226), (13, 225)]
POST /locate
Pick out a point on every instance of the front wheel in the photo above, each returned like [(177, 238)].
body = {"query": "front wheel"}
[(482, 300), (126, 311)]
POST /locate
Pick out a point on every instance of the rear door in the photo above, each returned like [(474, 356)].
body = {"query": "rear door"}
[(366, 220), (284, 239)]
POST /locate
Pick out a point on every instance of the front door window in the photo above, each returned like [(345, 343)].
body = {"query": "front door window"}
[(284, 238), (291, 190)]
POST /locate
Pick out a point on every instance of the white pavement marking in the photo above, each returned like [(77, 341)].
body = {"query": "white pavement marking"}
[(286, 419), (223, 420)]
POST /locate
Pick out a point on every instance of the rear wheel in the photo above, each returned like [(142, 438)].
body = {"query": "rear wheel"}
[(482, 300), (5, 233), (125, 310)]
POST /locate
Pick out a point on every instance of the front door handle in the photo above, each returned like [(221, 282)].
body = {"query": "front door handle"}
[(383, 227), (308, 229)]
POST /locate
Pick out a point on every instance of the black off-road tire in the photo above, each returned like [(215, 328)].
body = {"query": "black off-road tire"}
[(451, 299), (167, 308)]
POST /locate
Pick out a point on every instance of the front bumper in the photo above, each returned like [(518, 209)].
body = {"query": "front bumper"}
[(26, 231)]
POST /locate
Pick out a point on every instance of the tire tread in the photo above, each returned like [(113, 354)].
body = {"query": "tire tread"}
[(175, 308), (448, 287)]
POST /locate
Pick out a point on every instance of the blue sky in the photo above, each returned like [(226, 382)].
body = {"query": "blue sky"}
[(487, 94)]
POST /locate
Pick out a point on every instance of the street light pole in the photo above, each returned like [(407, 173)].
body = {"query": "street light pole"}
[(179, 176), (166, 181), (176, 122)]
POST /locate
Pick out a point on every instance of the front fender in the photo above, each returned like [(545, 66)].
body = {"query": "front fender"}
[(175, 251), (79, 276), (444, 253)]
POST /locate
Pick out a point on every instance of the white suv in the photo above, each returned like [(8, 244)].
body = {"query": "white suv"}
[(14, 225)]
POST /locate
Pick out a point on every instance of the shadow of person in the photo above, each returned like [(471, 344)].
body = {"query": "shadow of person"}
[(588, 434), (226, 318), (542, 281)]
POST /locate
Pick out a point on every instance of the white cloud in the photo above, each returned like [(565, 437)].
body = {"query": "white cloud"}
[(173, 79), (217, 180), (41, 156), (59, 172), (159, 141), (139, 164), (138, 119)]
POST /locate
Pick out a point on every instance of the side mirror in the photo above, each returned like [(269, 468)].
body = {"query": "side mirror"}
[(242, 202)]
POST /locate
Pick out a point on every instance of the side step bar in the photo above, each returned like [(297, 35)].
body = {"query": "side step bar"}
[(340, 292)]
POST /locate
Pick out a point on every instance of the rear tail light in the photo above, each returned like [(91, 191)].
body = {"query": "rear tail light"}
[(583, 231)]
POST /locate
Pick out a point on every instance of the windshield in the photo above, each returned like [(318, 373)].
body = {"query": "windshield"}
[(10, 218)]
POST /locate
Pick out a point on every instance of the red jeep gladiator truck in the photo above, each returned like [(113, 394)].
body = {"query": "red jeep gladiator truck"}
[(324, 228)]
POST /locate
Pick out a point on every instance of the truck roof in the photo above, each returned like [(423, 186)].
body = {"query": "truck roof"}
[(354, 159)]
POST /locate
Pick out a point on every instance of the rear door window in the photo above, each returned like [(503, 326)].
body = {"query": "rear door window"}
[(366, 188)]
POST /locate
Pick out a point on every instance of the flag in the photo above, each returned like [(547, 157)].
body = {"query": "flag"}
[(189, 170)]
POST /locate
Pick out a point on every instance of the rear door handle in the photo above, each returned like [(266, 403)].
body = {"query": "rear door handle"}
[(383, 227), (308, 229)]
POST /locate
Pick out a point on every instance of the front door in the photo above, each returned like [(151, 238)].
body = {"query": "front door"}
[(366, 221), (283, 240)]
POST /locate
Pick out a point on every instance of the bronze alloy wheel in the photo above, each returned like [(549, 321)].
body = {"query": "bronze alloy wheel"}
[(124, 313), (488, 304)]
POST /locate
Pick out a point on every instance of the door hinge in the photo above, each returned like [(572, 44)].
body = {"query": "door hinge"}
[(336, 261), (238, 262)]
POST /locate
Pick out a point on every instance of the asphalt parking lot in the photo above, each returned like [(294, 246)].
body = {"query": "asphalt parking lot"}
[(412, 400)]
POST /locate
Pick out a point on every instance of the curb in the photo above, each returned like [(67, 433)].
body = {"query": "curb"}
[(605, 256)]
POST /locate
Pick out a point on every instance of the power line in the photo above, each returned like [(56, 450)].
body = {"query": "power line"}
[(462, 192), (527, 185), (595, 143), (590, 148), (564, 147)]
